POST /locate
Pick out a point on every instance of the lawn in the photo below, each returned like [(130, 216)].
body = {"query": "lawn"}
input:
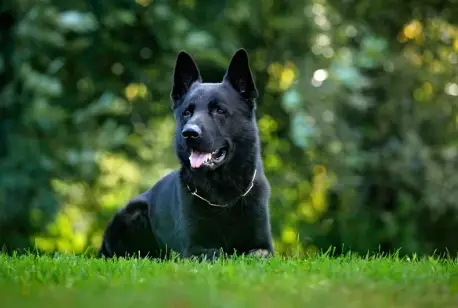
[(70, 281)]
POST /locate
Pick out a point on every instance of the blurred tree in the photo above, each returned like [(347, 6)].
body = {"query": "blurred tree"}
[(357, 114), (386, 128)]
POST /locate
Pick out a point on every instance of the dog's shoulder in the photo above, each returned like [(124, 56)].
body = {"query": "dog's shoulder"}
[(262, 181)]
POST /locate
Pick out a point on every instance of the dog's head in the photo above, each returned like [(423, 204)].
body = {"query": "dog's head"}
[(213, 119)]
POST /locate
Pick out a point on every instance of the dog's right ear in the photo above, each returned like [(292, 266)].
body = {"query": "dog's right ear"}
[(186, 73), (239, 75)]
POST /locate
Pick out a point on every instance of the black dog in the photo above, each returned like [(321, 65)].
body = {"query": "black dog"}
[(218, 200)]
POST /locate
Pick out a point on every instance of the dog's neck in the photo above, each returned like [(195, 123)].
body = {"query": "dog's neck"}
[(223, 186)]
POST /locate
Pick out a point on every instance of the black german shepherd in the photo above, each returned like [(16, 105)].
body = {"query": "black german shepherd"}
[(217, 203)]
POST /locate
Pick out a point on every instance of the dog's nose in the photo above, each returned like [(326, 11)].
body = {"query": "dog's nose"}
[(191, 132)]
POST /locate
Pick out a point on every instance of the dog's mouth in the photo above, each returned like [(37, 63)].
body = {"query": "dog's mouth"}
[(199, 159)]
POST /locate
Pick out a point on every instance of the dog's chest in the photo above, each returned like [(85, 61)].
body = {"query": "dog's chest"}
[(226, 226)]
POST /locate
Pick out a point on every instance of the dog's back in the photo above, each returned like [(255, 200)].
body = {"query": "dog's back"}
[(148, 226)]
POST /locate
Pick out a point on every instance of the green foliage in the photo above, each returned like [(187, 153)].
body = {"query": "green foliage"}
[(319, 281), (357, 115), (385, 127)]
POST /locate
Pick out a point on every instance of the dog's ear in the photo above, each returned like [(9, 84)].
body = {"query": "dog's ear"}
[(239, 75), (186, 73)]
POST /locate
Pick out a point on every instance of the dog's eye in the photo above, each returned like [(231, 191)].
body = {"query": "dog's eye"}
[(219, 110), (187, 113)]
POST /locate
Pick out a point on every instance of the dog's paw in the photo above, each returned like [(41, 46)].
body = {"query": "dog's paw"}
[(211, 254), (260, 253)]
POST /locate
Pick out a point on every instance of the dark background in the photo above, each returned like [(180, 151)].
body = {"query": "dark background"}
[(358, 115)]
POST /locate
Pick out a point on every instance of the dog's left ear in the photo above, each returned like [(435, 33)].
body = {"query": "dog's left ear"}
[(239, 75), (186, 73)]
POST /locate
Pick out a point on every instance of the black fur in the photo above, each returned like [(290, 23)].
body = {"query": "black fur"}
[(168, 217)]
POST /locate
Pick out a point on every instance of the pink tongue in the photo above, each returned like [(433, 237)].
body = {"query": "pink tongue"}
[(197, 159)]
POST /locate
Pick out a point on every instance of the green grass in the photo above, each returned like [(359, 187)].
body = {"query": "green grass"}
[(70, 281)]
